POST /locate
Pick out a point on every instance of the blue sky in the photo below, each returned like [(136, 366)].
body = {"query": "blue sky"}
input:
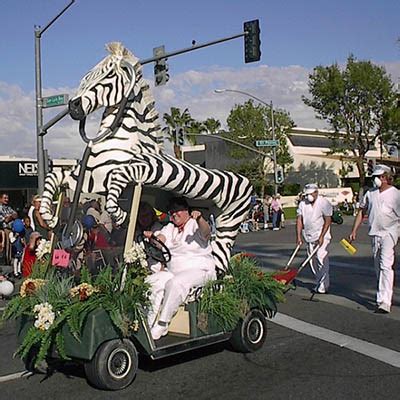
[(296, 36)]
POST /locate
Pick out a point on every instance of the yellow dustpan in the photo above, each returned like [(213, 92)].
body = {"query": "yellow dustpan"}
[(348, 246)]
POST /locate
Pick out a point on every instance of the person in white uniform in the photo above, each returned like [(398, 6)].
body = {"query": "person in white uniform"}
[(382, 204), (191, 264), (314, 218)]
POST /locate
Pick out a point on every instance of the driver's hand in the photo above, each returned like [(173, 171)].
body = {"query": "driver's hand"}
[(195, 214), (147, 234)]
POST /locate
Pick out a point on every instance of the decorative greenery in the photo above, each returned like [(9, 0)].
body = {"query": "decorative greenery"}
[(244, 287), (52, 301)]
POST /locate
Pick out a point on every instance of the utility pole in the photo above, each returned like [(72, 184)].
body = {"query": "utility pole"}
[(38, 31)]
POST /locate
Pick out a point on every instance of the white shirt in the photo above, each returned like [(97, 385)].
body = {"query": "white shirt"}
[(313, 218), (188, 248), (383, 211)]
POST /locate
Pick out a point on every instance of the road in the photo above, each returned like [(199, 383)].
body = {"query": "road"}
[(333, 347)]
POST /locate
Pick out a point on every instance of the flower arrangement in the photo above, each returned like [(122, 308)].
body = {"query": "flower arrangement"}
[(43, 248), (137, 255), (54, 302), (243, 287)]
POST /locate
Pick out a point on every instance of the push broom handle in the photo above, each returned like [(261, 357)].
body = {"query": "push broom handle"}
[(307, 260), (296, 250)]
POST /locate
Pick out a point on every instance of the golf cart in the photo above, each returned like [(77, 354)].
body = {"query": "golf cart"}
[(90, 333)]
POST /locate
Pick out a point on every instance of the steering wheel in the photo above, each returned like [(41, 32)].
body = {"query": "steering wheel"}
[(155, 249)]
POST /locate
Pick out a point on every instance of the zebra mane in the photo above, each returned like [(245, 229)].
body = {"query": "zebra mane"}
[(119, 52)]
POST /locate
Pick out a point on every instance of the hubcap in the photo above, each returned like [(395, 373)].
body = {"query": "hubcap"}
[(255, 330), (119, 363)]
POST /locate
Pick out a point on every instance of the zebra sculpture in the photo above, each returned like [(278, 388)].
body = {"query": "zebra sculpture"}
[(127, 150)]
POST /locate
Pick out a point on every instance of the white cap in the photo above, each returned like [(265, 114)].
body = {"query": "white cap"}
[(310, 188), (381, 169)]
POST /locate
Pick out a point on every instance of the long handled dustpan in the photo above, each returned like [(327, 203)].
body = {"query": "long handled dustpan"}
[(288, 275)]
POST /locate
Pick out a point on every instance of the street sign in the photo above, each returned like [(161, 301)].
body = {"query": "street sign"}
[(54, 101), (267, 143)]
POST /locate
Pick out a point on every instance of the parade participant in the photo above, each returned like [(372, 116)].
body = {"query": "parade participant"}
[(314, 218), (382, 204), (191, 264)]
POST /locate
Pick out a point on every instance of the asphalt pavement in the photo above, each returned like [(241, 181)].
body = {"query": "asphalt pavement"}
[(292, 364)]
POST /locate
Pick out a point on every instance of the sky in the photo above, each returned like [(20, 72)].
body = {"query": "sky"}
[(296, 36)]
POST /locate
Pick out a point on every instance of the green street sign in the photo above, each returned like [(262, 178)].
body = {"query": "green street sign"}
[(54, 101), (267, 143)]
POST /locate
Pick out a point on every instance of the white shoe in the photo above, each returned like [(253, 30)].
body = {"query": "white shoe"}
[(275, 229), (158, 331)]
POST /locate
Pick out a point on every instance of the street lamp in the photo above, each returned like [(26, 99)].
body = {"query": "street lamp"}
[(39, 106), (272, 124)]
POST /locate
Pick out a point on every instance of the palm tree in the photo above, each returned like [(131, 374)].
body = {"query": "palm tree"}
[(174, 120), (212, 125), (194, 127)]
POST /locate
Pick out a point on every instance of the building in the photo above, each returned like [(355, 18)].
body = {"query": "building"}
[(18, 178), (312, 161)]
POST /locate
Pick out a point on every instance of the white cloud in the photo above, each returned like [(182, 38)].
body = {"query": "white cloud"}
[(192, 89)]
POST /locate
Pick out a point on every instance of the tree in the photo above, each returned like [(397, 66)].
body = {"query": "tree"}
[(248, 123), (357, 102), (176, 119), (212, 125)]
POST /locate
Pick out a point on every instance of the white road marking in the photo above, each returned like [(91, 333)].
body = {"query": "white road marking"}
[(368, 349), (16, 375)]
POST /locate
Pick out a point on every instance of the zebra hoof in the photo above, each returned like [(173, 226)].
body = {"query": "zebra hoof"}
[(52, 223), (120, 220)]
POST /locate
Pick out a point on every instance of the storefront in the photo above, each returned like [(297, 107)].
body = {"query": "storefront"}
[(18, 178)]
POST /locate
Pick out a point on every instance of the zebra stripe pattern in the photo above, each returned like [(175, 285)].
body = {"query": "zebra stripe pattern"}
[(133, 154)]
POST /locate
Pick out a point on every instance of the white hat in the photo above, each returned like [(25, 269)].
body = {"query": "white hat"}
[(380, 169), (310, 188)]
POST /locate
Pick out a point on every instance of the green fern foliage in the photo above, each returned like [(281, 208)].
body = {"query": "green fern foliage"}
[(243, 287)]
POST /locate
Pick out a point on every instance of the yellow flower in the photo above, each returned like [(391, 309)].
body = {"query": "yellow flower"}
[(30, 286), (84, 290)]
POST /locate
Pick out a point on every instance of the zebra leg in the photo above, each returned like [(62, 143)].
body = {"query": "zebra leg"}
[(118, 181), (52, 185)]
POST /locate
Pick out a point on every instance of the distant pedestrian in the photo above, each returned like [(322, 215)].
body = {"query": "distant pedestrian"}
[(266, 210), (382, 204), (314, 218), (276, 208), (7, 216)]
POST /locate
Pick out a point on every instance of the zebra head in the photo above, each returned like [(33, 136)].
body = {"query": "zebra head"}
[(107, 84)]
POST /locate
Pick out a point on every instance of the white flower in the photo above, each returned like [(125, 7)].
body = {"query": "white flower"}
[(44, 247), (136, 254), (45, 316)]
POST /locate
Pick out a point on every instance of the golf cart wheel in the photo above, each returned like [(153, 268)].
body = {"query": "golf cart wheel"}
[(250, 333), (113, 366)]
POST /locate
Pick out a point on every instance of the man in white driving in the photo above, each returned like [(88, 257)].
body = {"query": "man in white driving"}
[(191, 264), (314, 218)]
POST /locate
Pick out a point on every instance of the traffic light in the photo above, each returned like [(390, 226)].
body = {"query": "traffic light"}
[(370, 166), (161, 76), (180, 136), (252, 41), (48, 162), (279, 176)]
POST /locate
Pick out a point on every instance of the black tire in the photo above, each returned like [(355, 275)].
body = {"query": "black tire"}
[(250, 333), (114, 365)]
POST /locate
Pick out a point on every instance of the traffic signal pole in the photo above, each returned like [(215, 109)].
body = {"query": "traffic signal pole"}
[(39, 100)]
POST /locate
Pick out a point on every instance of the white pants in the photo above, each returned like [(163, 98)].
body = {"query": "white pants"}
[(320, 265), (170, 290), (383, 250)]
